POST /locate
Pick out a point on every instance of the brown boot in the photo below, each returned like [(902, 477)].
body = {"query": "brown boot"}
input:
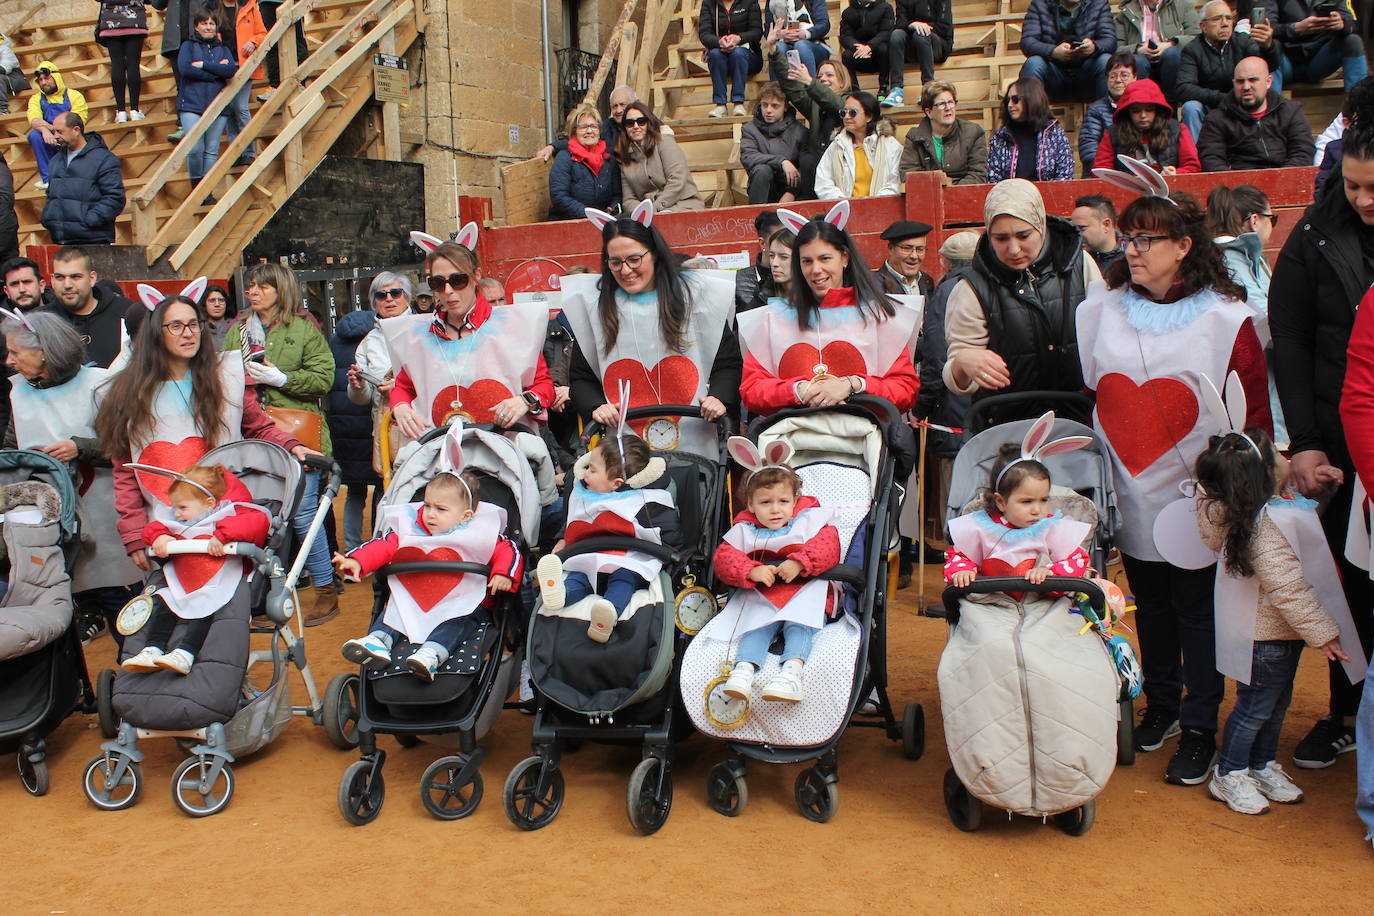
[(325, 607)]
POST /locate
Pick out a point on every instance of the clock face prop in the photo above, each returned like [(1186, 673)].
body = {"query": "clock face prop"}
[(723, 710), (695, 606)]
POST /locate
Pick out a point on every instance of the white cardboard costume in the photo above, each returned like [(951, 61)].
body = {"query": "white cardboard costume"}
[(999, 550), (842, 342), (593, 514), (199, 584)]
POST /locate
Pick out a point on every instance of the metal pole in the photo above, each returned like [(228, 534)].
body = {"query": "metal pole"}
[(548, 72)]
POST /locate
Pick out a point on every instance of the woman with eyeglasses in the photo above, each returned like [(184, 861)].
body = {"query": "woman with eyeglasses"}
[(944, 142), (219, 313), (289, 361), (1030, 144), (585, 174), (652, 166), (1169, 314), (862, 160)]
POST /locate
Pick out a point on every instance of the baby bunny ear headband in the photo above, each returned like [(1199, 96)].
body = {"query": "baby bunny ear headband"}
[(171, 475), (837, 217), (152, 297), (1230, 412), (643, 213), (1037, 447), (466, 236), (451, 455), (775, 454), (1141, 179)]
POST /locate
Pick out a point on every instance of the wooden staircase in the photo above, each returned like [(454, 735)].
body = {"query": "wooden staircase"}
[(294, 129)]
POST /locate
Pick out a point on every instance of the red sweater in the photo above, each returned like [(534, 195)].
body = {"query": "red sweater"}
[(1357, 400), (247, 525), (505, 559), (818, 554)]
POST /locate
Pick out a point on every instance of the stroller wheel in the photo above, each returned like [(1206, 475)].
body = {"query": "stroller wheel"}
[(528, 804), (727, 793), (914, 731), (1125, 734), (361, 792), (646, 802), (444, 793), (341, 711), (193, 794), (817, 798), (112, 782), (965, 810), (408, 741), (33, 775), (1079, 820), (104, 704)]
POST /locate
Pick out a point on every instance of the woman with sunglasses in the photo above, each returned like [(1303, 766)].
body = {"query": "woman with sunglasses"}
[(219, 313), (1169, 313), (289, 361), (863, 159), (1030, 144), (652, 166)]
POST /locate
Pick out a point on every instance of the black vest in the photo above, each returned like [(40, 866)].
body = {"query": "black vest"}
[(1170, 156)]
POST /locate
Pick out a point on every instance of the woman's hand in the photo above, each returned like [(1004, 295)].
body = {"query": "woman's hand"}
[(763, 575), (160, 545), (62, 450), (215, 548), (1169, 170), (139, 559), (963, 578), (264, 373), (560, 398), (770, 41), (249, 47), (981, 367), (797, 71), (606, 415), (409, 421), (354, 379), (712, 408), (508, 412), (826, 392), (301, 451), (386, 384), (1333, 651)]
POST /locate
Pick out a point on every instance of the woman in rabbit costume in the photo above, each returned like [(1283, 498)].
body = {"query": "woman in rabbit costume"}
[(1167, 314)]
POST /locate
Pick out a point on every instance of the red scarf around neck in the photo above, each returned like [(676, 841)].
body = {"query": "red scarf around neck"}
[(592, 158)]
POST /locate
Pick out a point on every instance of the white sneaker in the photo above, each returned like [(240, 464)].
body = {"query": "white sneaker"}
[(786, 685), (549, 571), (121, 117), (144, 662), (178, 660), (373, 650), (1239, 791), (741, 682), (424, 663), (1274, 784), (717, 112), (739, 110), (137, 115), (603, 620), (41, 185)]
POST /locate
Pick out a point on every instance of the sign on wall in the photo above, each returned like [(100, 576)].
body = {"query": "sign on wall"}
[(391, 79)]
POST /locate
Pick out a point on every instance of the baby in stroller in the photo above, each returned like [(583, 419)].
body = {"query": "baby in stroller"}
[(208, 502), (620, 490), (779, 540), (434, 610)]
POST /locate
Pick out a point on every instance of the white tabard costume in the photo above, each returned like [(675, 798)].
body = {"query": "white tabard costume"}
[(421, 601), (1237, 599), (199, 584), (1145, 361), (656, 374), (592, 514), (804, 602), (999, 550), (43, 416)]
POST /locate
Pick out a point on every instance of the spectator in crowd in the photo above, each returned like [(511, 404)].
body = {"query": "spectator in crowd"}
[(818, 98), (1095, 217), (219, 313), (176, 28), (1206, 66), (1068, 44), (754, 284), (492, 289), (652, 166), (206, 66), (730, 31), (1156, 31), (1255, 128), (804, 25), (370, 374), (94, 307), (122, 27), (268, 10), (1333, 131), (9, 221), (351, 426), (241, 30), (1144, 128), (772, 149), (901, 273), (585, 172), (86, 191), (51, 100), (1332, 140), (865, 33), (620, 98), (1319, 37), (11, 76), (862, 160), (945, 142), (1097, 120), (1030, 143), (924, 32), (24, 286), (424, 302)]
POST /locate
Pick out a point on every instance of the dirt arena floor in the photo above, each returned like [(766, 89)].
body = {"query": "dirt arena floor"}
[(282, 847)]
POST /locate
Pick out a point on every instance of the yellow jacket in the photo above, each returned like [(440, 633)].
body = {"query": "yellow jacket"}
[(76, 100)]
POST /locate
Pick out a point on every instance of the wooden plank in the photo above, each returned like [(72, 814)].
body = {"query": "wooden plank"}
[(603, 69), (526, 187), (391, 112)]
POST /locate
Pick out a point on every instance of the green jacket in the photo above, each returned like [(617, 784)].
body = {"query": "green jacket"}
[(816, 102), (1177, 22), (296, 347)]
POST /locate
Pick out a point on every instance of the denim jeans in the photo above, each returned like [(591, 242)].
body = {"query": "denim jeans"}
[(1163, 71), (1364, 756), (736, 65), (206, 151), (446, 637), (239, 116), (355, 503), (1251, 737), (1086, 81), (812, 54), (317, 561), (43, 153), (1341, 51), (796, 643), (621, 586)]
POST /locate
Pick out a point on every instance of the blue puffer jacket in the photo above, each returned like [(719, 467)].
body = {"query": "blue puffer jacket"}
[(84, 196), (573, 187), (350, 425), (1097, 120), (200, 85), (1040, 32)]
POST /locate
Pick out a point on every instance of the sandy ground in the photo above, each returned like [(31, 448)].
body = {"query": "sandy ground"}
[(281, 845)]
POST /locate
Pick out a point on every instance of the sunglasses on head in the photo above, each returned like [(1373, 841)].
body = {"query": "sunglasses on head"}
[(458, 282), (640, 121), (42, 71)]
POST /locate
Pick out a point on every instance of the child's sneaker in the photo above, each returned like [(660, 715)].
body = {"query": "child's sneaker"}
[(1239, 791), (424, 663), (373, 650), (603, 620), (178, 660), (741, 682), (1275, 785), (144, 662), (786, 685), (549, 571)]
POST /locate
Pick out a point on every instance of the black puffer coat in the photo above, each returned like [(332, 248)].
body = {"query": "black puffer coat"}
[(84, 196), (350, 425)]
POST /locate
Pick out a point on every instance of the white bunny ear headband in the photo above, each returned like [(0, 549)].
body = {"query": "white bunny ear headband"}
[(643, 213), (466, 236), (1036, 446), (1141, 179), (173, 476), (622, 407), (775, 454), (1230, 412), (152, 297), (20, 317), (837, 217), (451, 455)]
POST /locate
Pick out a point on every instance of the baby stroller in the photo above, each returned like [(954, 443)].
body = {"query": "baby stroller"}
[(466, 696), (219, 712), (847, 458), (623, 691), (1036, 716), (43, 675)]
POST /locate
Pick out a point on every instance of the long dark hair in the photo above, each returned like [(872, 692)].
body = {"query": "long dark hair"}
[(873, 302), (126, 414), (1035, 105), (653, 132), (1358, 141), (669, 285), (1229, 208), (1009, 472), (231, 308), (1202, 267), (869, 103), (1156, 140), (1238, 482)]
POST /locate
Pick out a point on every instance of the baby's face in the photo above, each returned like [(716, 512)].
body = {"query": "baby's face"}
[(773, 506), (186, 508), (597, 478), (445, 510)]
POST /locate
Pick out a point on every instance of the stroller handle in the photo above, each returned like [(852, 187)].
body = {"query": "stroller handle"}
[(611, 543), (438, 432), (844, 573), (435, 566), (654, 411), (989, 584), (232, 549), (1072, 400), (887, 412)]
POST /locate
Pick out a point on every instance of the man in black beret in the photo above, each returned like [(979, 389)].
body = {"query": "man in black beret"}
[(901, 273)]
